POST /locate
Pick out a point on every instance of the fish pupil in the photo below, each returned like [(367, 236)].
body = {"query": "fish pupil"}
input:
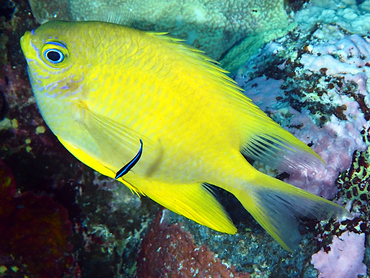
[(54, 56)]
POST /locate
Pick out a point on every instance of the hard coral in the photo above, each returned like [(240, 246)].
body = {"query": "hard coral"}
[(354, 193), (351, 15), (169, 251)]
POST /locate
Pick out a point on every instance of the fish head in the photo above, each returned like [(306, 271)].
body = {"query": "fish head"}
[(53, 65)]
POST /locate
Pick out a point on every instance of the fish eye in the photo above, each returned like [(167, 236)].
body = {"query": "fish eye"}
[(54, 56)]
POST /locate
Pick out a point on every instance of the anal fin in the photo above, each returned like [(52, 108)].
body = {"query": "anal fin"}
[(194, 202)]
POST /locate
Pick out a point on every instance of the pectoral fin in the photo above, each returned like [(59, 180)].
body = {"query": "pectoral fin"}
[(118, 143), (95, 164)]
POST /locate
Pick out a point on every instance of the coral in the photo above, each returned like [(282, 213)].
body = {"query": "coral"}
[(354, 184), (169, 251), (317, 88), (323, 104), (34, 232), (348, 57), (237, 55), (213, 26), (354, 193), (344, 260), (351, 15)]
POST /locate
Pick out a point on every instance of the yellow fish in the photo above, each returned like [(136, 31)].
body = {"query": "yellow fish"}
[(102, 87)]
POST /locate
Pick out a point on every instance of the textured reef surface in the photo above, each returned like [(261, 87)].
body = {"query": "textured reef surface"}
[(313, 80)]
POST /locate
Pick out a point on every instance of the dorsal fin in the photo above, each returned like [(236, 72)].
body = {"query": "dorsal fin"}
[(261, 138)]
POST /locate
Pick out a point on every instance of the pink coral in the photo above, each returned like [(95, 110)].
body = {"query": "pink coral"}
[(321, 99), (169, 251), (334, 142), (344, 260), (348, 55)]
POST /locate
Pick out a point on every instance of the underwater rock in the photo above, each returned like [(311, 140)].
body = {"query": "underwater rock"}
[(115, 221), (250, 250), (34, 232), (169, 251), (212, 26)]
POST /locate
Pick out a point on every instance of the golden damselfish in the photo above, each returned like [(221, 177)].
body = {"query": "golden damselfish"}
[(102, 87)]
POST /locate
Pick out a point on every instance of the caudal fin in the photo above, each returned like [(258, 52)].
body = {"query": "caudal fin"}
[(277, 206)]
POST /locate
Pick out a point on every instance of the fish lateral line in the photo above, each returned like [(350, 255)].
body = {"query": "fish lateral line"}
[(125, 169)]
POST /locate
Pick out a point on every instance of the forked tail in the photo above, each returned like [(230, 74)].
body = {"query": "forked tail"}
[(277, 206)]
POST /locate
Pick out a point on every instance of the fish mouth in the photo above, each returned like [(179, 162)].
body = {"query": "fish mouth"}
[(26, 44)]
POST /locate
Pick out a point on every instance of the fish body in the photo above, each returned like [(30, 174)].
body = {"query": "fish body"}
[(101, 87)]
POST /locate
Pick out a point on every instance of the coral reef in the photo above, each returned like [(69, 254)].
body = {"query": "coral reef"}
[(315, 84), (354, 184), (321, 105), (169, 251), (354, 190), (212, 26), (351, 15), (344, 258)]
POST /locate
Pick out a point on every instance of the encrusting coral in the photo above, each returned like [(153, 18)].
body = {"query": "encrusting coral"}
[(354, 184), (344, 259)]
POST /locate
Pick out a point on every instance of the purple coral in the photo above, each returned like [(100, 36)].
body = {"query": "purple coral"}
[(321, 103), (344, 260)]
